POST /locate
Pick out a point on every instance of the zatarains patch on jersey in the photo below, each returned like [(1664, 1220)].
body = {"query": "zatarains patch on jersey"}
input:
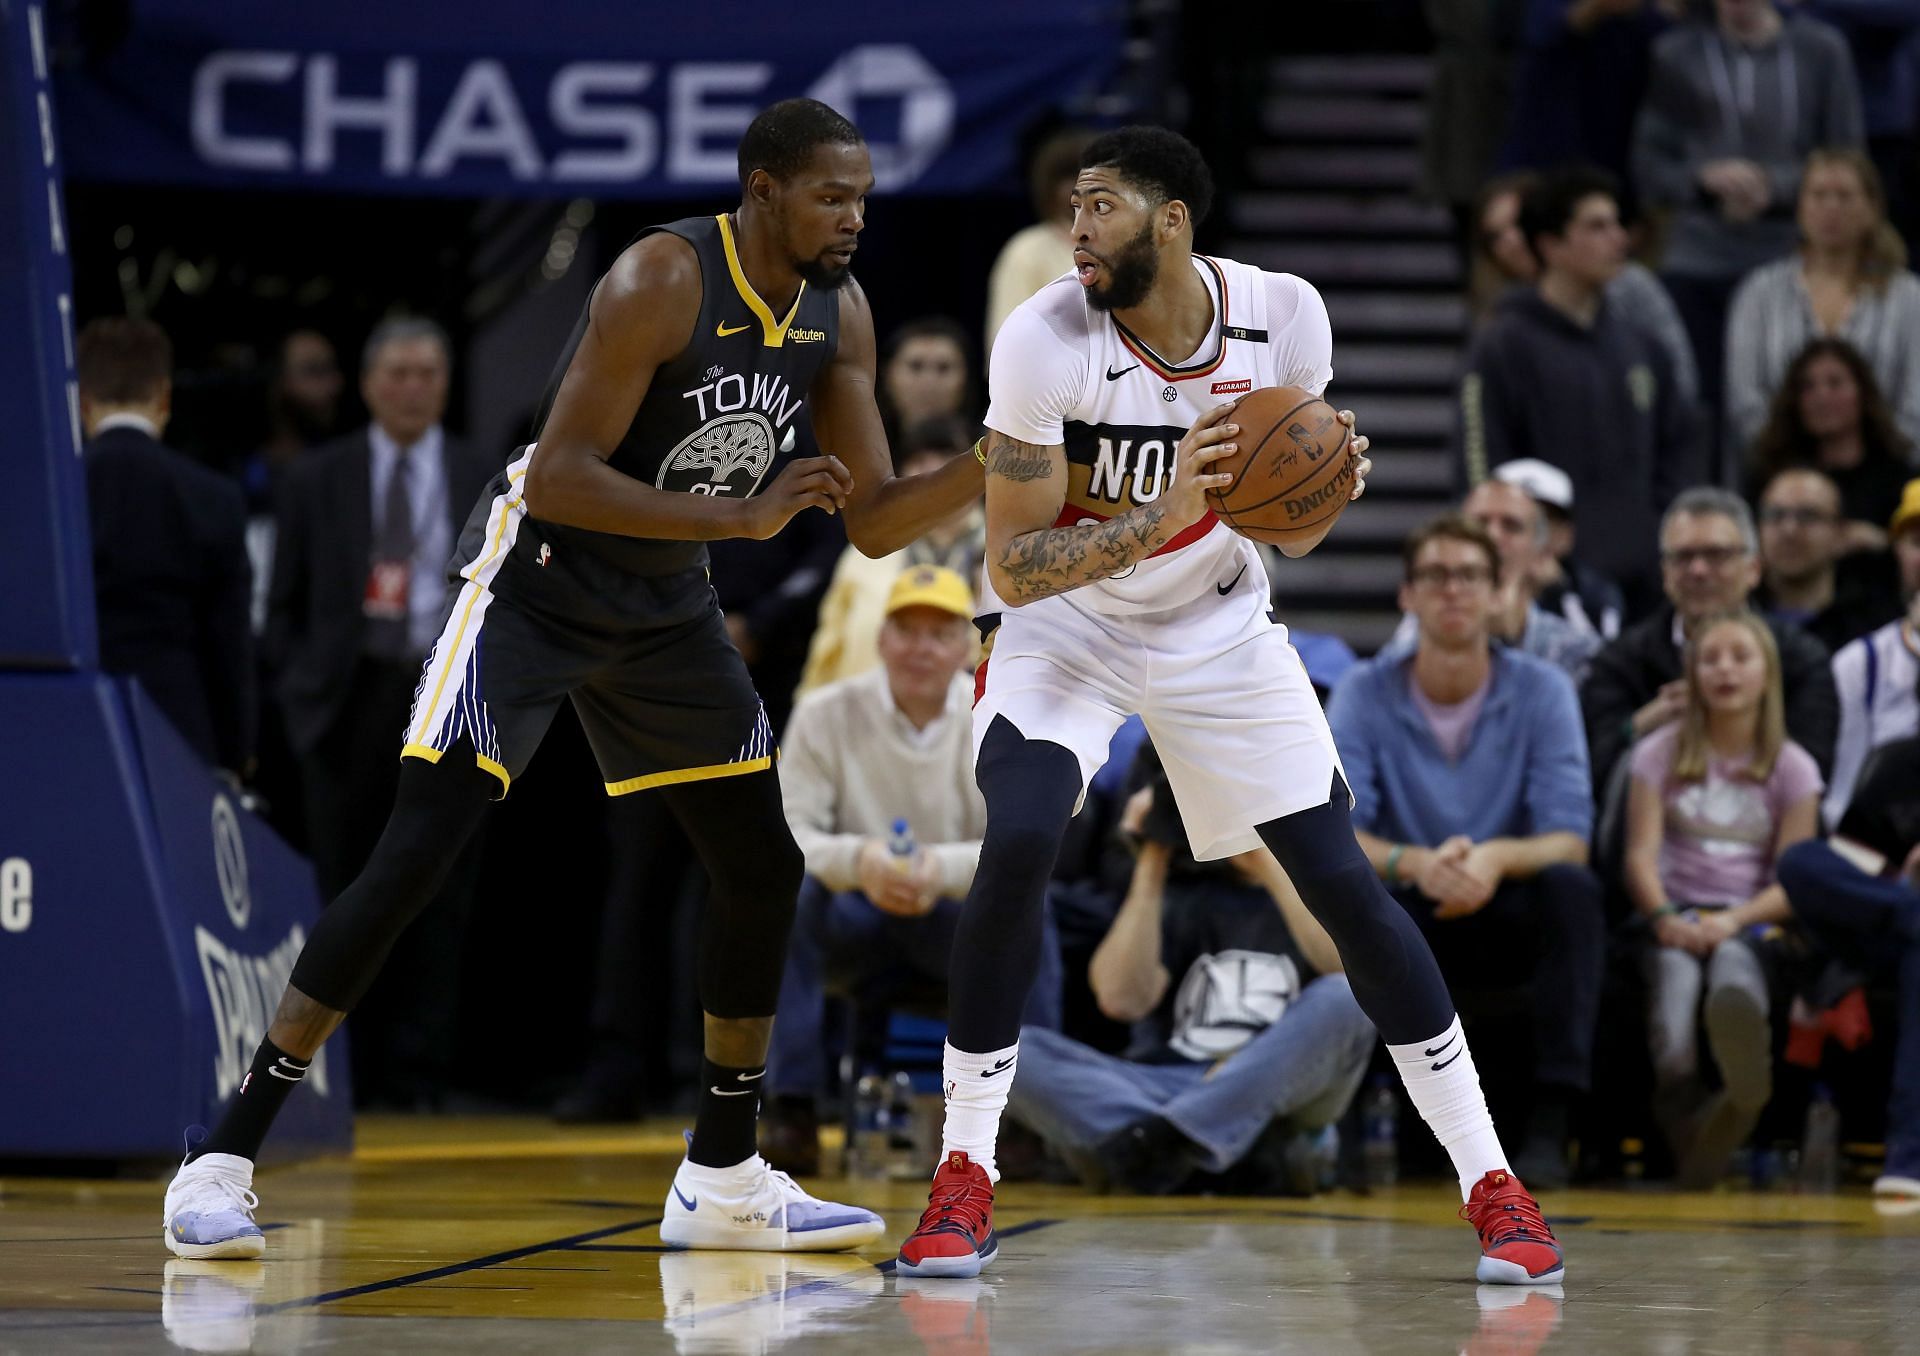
[(1239, 386)]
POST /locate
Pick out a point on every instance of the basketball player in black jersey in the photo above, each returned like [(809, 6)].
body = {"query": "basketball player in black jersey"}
[(581, 575)]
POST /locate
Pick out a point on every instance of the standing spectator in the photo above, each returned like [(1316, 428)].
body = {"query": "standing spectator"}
[(925, 374), (1808, 578), (1503, 259), (1518, 527), (1829, 414), (1878, 676), (303, 404), (1733, 108), (1556, 375), (1884, 37), (1466, 107), (1245, 1031), (1716, 797), (1471, 800), (844, 640), (367, 525), (1859, 893), (1035, 255), (891, 744), (170, 575), (1849, 280), (1561, 584), (1709, 561)]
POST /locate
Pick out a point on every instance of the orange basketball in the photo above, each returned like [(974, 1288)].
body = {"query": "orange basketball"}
[(1294, 469)]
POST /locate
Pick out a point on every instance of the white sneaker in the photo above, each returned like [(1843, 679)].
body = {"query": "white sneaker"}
[(209, 1210), (755, 1209)]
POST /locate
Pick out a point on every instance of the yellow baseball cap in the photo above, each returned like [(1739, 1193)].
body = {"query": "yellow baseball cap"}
[(931, 586), (1909, 511)]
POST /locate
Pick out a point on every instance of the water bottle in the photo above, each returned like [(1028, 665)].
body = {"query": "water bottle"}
[(901, 845), (1380, 1121), (1820, 1151), (904, 1160), (867, 1145)]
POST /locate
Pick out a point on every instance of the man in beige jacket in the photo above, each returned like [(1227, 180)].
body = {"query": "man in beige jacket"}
[(876, 774)]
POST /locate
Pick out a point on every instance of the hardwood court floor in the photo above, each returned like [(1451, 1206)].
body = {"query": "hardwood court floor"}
[(493, 1235)]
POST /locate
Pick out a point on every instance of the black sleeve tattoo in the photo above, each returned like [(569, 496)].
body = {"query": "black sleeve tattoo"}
[(1053, 560)]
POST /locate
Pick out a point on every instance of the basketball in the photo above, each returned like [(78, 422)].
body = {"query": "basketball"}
[(1294, 471)]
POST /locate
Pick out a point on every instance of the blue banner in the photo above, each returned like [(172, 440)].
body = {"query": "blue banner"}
[(567, 97), (46, 579)]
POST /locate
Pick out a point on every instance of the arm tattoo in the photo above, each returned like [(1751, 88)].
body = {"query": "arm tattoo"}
[(1017, 461), (1056, 559)]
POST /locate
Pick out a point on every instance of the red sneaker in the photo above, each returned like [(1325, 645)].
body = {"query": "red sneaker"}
[(955, 1235), (1516, 1246)]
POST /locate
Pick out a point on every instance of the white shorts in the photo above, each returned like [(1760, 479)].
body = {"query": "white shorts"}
[(1224, 696)]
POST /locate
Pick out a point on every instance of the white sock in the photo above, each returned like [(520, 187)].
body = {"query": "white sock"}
[(976, 1095), (729, 1181), (1445, 1088)]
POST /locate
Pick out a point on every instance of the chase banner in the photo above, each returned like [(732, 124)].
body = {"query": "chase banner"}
[(598, 98)]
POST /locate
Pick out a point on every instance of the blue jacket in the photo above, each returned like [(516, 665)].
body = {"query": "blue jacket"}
[(1524, 770)]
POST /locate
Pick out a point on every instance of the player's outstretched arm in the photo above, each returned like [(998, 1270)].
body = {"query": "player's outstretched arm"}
[(642, 316), (1028, 557), (885, 512)]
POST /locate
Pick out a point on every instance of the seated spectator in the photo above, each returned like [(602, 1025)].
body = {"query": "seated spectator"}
[(1878, 676), (1035, 255), (1716, 797), (1471, 800), (925, 374), (893, 744), (1807, 577), (1246, 1038), (856, 598), (1734, 106), (1859, 893), (1710, 563), (1502, 260), (1848, 280), (1829, 414), (171, 582), (1561, 584), (1556, 375), (1518, 527)]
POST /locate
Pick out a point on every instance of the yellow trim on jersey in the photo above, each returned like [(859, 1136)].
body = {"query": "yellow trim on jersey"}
[(484, 763), (508, 503), (688, 774), (772, 333)]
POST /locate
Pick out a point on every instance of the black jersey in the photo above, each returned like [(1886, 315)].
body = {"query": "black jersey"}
[(719, 419)]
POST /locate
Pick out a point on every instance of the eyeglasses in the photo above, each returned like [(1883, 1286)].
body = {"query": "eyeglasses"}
[(1439, 576), (1799, 517), (1714, 557)]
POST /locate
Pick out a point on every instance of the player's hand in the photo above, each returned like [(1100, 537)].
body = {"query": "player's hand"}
[(886, 886), (810, 482), (1667, 706), (1362, 465), (1211, 438)]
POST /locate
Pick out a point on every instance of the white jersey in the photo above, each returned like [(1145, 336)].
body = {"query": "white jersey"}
[(1066, 373)]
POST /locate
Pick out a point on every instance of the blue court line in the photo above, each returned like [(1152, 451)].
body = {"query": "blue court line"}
[(457, 1268)]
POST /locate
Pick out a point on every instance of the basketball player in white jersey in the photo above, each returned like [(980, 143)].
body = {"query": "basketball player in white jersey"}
[(1111, 589)]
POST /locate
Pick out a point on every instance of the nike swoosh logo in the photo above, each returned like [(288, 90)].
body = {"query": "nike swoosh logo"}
[(1115, 376), (723, 331), (1227, 588), (1440, 1047), (693, 1204), (274, 1069), (1449, 1059), (748, 1078), (1001, 1067), (737, 1092)]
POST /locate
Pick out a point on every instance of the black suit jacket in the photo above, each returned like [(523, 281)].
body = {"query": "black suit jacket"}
[(171, 586), (315, 626)]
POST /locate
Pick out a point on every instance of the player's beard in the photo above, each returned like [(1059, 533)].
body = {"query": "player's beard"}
[(817, 273), (1132, 270)]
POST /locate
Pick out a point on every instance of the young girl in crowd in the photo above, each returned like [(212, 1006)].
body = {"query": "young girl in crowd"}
[(1715, 798)]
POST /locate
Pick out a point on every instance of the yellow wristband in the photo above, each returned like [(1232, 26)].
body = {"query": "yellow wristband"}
[(979, 449)]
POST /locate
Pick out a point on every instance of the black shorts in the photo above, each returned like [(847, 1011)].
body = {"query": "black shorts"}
[(663, 694)]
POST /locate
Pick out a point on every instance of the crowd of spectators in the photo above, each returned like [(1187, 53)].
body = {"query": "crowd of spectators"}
[(1646, 734)]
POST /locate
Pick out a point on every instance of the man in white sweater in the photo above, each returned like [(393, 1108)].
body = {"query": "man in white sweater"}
[(876, 915)]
